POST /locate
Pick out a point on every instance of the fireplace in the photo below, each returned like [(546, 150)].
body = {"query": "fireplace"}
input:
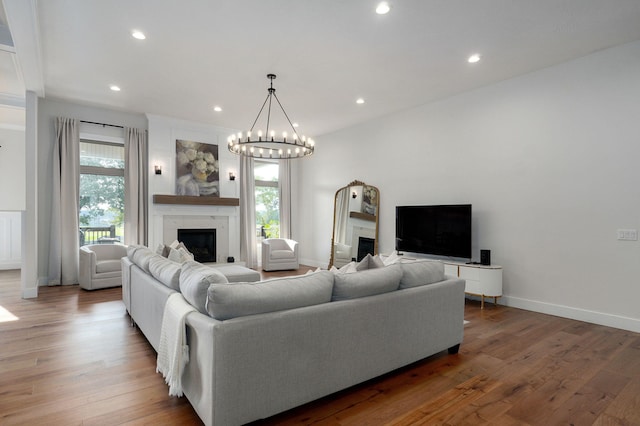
[(365, 246), (200, 242)]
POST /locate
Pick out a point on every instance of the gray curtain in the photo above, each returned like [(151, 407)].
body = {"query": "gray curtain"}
[(284, 186), (64, 243), (248, 239), (136, 177)]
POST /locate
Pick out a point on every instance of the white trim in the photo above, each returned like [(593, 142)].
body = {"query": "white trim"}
[(101, 138), (18, 127), (22, 17), (5, 266), (30, 293), (8, 100), (601, 318)]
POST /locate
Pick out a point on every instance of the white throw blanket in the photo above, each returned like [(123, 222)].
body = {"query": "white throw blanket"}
[(173, 352)]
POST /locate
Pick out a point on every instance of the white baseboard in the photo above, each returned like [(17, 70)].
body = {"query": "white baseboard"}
[(4, 266), (315, 263), (601, 318), (30, 293)]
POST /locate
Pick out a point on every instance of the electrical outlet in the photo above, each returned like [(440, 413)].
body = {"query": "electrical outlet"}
[(628, 234)]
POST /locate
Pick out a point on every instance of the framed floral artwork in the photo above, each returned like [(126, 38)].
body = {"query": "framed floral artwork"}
[(197, 169), (369, 200)]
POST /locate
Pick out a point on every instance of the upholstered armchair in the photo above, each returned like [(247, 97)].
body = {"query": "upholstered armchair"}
[(279, 254), (341, 254), (100, 266)]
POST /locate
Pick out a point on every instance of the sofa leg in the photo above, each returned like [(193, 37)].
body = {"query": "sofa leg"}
[(454, 349)]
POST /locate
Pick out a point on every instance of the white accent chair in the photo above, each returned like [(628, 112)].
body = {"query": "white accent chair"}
[(341, 254), (279, 254), (100, 266)]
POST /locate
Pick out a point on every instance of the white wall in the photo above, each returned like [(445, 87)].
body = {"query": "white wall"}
[(163, 133), (549, 161), (12, 171), (10, 240)]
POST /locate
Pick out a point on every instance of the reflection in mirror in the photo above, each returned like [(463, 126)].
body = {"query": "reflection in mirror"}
[(355, 223)]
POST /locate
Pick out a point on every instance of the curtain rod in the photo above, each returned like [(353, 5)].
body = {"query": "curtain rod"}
[(102, 124)]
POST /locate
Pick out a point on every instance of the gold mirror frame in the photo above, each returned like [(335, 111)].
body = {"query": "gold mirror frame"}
[(368, 211)]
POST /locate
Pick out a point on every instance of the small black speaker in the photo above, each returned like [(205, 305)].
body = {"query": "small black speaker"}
[(230, 259), (485, 257)]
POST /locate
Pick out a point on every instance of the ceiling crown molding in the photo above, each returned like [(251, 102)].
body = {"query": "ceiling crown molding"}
[(22, 18)]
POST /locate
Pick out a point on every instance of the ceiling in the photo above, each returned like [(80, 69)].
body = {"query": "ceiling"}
[(326, 54)]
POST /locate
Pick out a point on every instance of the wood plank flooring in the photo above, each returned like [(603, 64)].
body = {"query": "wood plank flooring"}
[(70, 357)]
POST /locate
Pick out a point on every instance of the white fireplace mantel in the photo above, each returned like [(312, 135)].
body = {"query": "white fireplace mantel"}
[(167, 219)]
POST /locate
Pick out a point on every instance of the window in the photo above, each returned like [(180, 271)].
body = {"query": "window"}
[(101, 192), (267, 200)]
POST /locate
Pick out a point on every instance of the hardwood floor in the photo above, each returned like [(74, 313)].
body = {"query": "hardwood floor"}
[(70, 357)]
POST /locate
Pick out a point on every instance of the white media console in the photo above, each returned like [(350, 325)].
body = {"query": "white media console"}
[(481, 280)]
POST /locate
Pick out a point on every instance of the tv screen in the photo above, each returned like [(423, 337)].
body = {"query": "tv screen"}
[(437, 230)]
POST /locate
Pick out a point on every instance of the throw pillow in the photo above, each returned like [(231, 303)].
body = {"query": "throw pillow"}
[(369, 262), (242, 299), (166, 271), (163, 250), (392, 258), (179, 255), (349, 268), (195, 280), (421, 272), (366, 283)]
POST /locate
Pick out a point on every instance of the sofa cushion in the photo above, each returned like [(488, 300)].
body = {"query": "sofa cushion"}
[(142, 256), (366, 283), (283, 254), (195, 279), (421, 272), (166, 271), (242, 299), (109, 265), (131, 249)]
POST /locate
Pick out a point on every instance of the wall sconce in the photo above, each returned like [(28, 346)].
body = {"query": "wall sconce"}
[(232, 176), (158, 169), (354, 194)]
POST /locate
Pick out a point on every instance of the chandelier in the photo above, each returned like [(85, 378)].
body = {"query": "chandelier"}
[(270, 144)]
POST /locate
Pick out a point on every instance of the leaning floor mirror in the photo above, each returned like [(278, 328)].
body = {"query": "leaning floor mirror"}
[(355, 223)]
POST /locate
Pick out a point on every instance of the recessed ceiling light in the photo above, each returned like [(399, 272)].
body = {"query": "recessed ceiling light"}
[(217, 108), (138, 34), (114, 88), (383, 8), (295, 124), (360, 101), (473, 58)]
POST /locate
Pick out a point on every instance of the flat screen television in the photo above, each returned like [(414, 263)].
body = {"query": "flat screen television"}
[(437, 230)]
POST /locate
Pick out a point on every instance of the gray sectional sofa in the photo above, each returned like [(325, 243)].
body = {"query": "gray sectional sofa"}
[(257, 349)]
